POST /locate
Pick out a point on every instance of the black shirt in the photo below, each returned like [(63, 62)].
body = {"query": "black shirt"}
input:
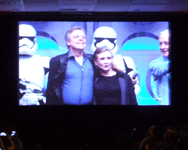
[(107, 91)]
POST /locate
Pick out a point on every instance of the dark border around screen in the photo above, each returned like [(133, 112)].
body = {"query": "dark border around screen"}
[(10, 31)]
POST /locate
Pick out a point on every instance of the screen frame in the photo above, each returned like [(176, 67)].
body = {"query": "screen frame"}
[(172, 18)]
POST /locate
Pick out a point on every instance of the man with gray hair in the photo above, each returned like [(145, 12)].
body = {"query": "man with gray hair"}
[(159, 68), (71, 75)]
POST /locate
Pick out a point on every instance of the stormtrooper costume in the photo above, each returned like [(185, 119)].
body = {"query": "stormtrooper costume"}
[(31, 68), (106, 36)]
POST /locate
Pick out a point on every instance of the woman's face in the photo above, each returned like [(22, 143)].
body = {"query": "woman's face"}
[(104, 61)]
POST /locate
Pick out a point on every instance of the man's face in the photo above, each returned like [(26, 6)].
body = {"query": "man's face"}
[(104, 61), (164, 44), (77, 40)]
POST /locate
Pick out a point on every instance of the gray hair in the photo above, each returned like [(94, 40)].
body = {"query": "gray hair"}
[(67, 35), (166, 32)]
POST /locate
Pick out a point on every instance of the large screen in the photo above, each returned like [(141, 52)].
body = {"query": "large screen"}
[(24, 81), (136, 44)]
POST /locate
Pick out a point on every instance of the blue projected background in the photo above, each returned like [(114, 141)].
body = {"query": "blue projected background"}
[(141, 43)]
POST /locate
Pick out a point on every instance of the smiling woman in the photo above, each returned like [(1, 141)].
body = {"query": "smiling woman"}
[(103, 60), (112, 86)]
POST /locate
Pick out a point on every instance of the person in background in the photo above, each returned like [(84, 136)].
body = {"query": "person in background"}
[(112, 86), (71, 75), (13, 133), (160, 69)]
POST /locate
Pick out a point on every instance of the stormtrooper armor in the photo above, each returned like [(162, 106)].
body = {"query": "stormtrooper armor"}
[(27, 40), (31, 68), (106, 36)]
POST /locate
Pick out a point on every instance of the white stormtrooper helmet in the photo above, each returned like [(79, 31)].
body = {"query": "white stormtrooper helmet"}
[(105, 36), (27, 40)]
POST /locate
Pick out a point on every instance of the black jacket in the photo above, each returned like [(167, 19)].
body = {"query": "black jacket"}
[(57, 70), (128, 96)]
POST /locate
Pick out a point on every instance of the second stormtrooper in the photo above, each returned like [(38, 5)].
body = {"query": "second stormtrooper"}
[(106, 36)]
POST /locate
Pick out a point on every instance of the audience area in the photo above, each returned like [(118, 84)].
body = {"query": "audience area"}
[(130, 137)]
